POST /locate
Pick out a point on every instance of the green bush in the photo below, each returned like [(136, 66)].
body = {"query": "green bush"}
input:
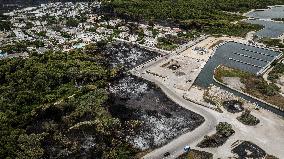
[(276, 72), (248, 119), (272, 42), (224, 128)]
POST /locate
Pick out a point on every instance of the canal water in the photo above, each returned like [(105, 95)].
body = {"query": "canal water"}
[(272, 29), (205, 78), (273, 12)]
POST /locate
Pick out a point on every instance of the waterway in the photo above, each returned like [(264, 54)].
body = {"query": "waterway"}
[(272, 29), (205, 78), (272, 12)]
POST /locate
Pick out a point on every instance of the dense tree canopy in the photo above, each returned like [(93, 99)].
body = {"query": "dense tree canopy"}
[(187, 9), (21, 46), (213, 16), (52, 105)]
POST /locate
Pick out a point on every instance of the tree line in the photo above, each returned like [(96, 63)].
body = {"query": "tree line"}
[(210, 16)]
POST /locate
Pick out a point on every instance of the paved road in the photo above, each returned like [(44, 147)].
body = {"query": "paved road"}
[(271, 142), (175, 147)]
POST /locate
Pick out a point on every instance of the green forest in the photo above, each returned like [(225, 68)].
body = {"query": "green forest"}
[(52, 103), (209, 16), (187, 9), (4, 24)]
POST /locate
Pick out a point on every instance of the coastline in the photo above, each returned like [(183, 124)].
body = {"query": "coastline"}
[(246, 14), (249, 17), (264, 9)]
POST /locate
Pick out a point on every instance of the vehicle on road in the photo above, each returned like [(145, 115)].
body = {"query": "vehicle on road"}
[(186, 148)]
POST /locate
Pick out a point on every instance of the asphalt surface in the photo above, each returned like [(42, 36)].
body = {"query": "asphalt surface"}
[(175, 147), (271, 142)]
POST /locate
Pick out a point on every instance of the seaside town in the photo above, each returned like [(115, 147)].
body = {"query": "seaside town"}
[(66, 26), (139, 89)]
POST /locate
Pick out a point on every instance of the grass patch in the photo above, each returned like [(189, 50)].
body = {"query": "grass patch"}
[(254, 85), (170, 43), (270, 157), (165, 46), (223, 71)]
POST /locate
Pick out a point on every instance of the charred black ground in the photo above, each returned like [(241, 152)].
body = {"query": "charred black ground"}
[(162, 119), (248, 150), (133, 98)]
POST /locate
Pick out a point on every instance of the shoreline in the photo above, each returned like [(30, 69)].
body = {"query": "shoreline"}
[(246, 13), (247, 18), (264, 9)]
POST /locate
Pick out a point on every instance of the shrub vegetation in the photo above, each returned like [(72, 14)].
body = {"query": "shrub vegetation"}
[(223, 131), (255, 85), (53, 105), (248, 119)]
